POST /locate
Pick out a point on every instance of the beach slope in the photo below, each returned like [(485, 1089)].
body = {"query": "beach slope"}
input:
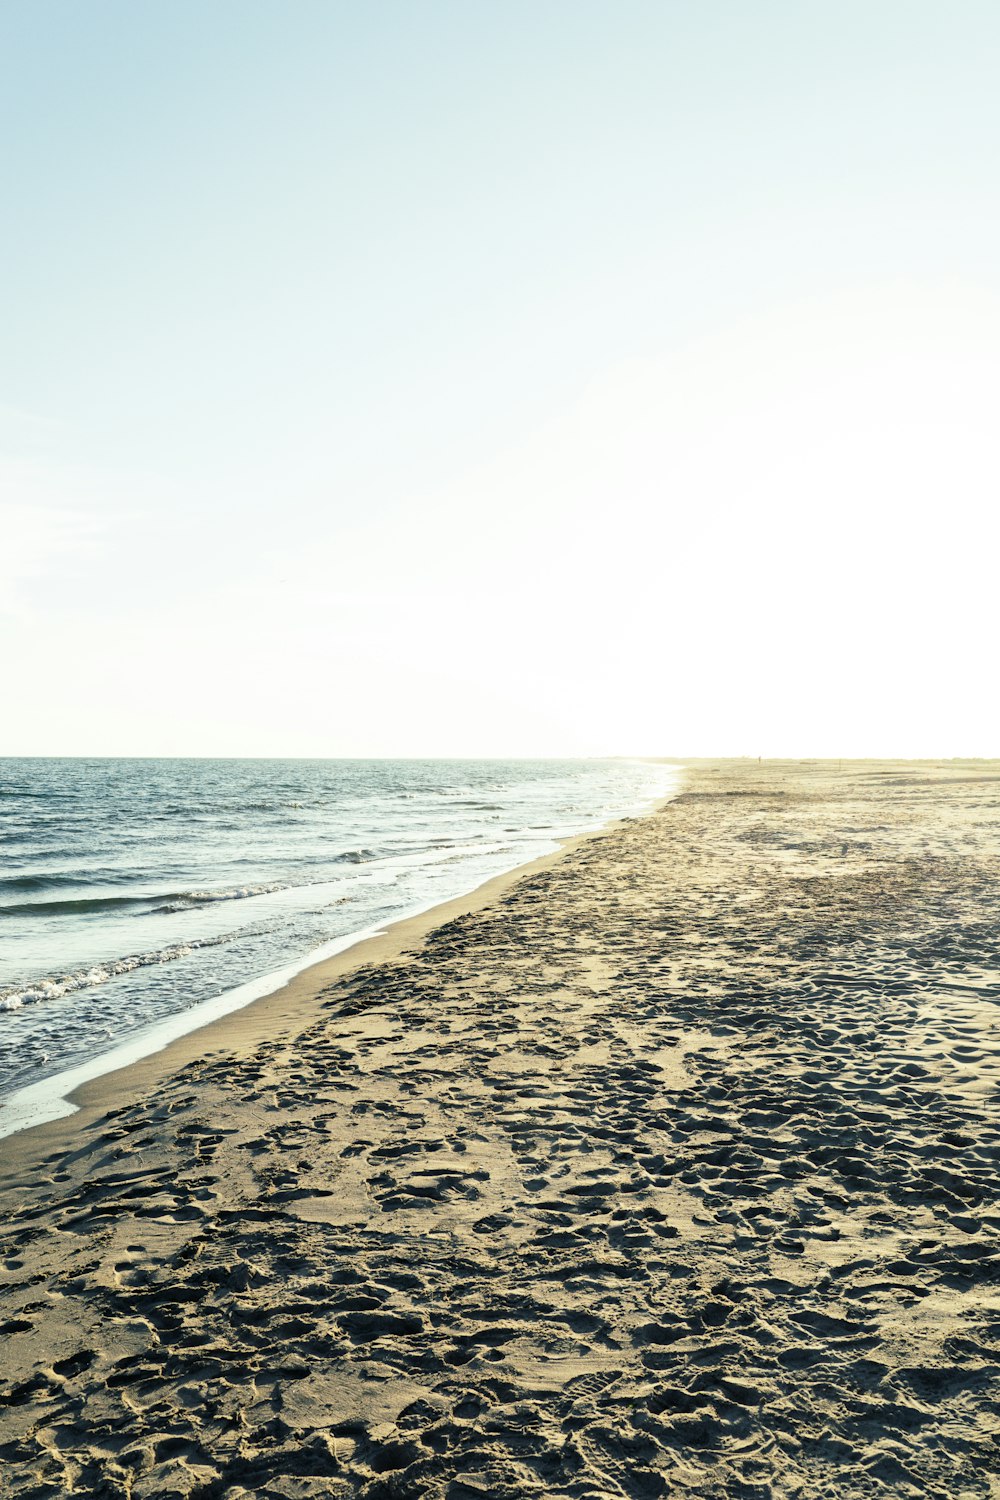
[(670, 1169)]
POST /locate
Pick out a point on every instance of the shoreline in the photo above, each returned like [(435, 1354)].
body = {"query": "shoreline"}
[(667, 1167), (72, 1097)]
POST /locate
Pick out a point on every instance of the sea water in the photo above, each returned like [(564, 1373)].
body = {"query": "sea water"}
[(134, 891)]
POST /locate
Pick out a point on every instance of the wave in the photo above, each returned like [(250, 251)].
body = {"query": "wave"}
[(71, 904), (152, 902), (224, 807), (53, 988), (183, 900), (36, 795), (41, 882)]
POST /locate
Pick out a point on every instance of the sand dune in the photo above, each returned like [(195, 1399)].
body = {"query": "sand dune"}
[(671, 1171)]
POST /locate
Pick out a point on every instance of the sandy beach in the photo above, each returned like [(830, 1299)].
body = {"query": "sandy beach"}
[(666, 1167)]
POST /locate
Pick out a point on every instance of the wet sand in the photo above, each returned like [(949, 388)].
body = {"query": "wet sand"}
[(668, 1168)]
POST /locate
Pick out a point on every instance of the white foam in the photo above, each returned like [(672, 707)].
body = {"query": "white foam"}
[(84, 979)]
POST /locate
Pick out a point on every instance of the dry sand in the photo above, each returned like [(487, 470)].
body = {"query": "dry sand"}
[(669, 1170)]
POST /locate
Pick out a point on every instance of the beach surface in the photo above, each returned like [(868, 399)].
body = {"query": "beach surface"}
[(666, 1167)]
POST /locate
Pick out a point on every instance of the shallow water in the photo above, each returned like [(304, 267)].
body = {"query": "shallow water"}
[(132, 890)]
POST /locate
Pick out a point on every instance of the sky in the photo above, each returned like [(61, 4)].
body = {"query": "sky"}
[(545, 377)]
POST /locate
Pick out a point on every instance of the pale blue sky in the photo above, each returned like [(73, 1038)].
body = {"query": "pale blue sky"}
[(301, 306)]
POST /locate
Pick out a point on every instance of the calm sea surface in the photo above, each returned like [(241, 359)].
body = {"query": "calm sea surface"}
[(131, 890)]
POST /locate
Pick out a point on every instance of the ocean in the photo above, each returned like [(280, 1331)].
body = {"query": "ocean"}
[(132, 891)]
